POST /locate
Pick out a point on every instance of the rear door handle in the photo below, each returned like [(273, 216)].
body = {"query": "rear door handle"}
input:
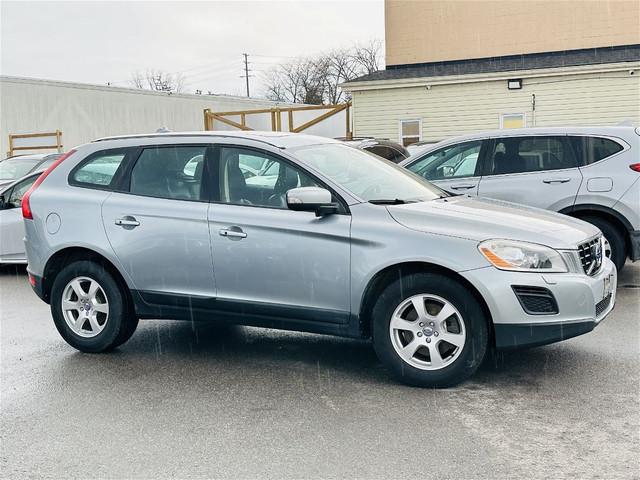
[(465, 186), (556, 180), (127, 222), (224, 232)]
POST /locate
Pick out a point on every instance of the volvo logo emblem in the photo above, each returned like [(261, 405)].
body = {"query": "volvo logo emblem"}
[(428, 331), (598, 254)]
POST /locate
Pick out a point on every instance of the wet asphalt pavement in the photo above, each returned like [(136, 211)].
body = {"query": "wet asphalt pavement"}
[(182, 400)]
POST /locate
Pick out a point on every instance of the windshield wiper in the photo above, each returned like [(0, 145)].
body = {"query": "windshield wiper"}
[(387, 201)]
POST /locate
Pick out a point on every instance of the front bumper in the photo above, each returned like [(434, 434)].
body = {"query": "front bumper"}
[(582, 303)]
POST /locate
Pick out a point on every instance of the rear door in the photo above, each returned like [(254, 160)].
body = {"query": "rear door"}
[(540, 171), (158, 227)]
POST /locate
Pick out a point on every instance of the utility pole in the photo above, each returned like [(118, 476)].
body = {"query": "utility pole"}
[(246, 70)]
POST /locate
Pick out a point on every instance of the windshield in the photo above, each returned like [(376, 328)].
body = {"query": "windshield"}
[(367, 177), (11, 169)]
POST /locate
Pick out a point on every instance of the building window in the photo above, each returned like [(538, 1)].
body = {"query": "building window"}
[(410, 131), (512, 120)]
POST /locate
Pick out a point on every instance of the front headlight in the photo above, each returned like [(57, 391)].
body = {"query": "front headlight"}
[(522, 256)]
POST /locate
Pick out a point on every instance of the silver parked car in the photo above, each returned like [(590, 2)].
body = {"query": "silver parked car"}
[(16, 167), (591, 173), (11, 223), (340, 243)]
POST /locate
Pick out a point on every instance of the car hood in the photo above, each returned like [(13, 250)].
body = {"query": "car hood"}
[(481, 219)]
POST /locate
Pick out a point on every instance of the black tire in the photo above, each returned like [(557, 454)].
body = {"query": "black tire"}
[(615, 239), (468, 319), (91, 322)]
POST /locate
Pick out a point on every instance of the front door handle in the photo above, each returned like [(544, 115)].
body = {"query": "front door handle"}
[(224, 232), (556, 180), (127, 222), (465, 186)]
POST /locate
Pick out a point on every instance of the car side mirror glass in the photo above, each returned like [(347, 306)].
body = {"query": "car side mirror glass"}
[(311, 199)]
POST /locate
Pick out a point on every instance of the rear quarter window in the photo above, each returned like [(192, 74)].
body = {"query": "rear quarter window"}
[(99, 170), (593, 149)]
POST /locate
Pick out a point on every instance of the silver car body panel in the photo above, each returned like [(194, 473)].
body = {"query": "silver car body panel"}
[(169, 251), (276, 256)]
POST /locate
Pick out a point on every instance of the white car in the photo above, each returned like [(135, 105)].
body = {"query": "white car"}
[(11, 223), (591, 173)]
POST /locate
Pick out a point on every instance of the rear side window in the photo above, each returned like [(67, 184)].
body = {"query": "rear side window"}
[(593, 149), (529, 154), (99, 171), (169, 172)]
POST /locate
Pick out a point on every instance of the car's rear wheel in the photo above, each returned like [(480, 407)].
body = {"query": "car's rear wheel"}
[(429, 330), (615, 239), (90, 308)]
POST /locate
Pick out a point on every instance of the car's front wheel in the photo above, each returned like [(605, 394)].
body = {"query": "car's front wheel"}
[(90, 308), (429, 330)]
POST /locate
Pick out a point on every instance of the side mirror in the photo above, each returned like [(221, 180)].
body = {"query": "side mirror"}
[(311, 199)]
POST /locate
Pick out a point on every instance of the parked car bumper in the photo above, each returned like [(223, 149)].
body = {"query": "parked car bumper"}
[(530, 309)]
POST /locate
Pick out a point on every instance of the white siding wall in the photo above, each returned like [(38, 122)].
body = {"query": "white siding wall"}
[(86, 112), (459, 108)]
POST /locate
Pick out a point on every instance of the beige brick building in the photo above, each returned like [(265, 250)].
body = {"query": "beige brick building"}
[(460, 66)]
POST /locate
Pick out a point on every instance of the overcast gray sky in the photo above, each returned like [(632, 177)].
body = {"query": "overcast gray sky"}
[(100, 42)]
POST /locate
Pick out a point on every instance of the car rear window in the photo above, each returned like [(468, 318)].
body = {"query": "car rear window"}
[(593, 149)]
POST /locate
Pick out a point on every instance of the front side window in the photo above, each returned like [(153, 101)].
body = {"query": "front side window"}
[(169, 172), (248, 177), (364, 175), (593, 149), (454, 161), (529, 154)]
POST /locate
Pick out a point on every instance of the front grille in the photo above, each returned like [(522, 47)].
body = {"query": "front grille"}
[(602, 305), (591, 256), (536, 300)]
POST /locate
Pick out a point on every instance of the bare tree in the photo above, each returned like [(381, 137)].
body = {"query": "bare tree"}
[(158, 80), (316, 80), (297, 81), (367, 56)]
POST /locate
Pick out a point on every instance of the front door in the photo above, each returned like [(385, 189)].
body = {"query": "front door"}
[(271, 260)]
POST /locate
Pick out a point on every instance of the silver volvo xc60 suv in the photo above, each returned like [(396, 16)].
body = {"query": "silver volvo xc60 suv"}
[(315, 236)]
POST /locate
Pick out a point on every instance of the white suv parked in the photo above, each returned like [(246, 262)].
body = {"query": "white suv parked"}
[(591, 173)]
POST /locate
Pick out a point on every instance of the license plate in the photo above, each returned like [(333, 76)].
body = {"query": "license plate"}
[(606, 290)]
